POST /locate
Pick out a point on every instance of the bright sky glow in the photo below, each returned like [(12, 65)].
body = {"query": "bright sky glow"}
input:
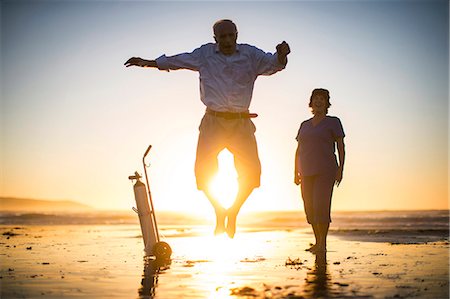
[(75, 122)]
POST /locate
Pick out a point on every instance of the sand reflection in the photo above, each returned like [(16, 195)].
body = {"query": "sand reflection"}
[(218, 267), (318, 279), (149, 282), (222, 261)]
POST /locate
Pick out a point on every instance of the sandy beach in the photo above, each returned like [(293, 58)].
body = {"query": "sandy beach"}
[(106, 261)]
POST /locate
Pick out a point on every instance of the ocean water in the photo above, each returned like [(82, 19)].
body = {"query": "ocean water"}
[(380, 226)]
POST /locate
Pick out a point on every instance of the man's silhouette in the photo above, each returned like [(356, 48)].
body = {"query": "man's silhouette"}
[(227, 75)]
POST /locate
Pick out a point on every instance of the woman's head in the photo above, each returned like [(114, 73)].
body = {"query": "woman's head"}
[(320, 101)]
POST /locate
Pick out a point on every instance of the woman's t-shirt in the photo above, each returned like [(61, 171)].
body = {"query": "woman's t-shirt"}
[(318, 146)]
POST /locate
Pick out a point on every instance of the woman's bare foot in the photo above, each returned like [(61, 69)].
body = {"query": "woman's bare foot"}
[(320, 249), (312, 248)]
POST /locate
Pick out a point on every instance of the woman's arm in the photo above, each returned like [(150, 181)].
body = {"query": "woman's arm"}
[(341, 153), (297, 178)]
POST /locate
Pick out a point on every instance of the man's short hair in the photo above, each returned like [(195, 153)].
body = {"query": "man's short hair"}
[(220, 22)]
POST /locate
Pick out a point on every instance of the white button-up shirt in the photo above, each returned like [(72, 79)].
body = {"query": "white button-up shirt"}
[(226, 82)]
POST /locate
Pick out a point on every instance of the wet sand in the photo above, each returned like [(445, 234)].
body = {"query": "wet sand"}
[(106, 261)]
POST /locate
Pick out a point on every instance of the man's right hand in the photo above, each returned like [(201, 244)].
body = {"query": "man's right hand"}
[(137, 61)]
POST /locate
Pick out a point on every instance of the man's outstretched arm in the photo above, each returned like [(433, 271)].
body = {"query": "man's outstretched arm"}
[(137, 61)]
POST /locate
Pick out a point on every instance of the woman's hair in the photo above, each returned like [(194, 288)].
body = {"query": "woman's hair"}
[(323, 92)]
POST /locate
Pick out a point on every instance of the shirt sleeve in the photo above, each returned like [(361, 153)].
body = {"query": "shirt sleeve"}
[(266, 63), (338, 130), (298, 133), (190, 61)]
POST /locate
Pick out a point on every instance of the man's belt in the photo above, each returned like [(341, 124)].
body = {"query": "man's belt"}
[(231, 115)]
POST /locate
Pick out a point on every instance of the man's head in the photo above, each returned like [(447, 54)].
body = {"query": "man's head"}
[(225, 35)]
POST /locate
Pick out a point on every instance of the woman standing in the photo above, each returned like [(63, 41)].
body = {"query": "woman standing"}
[(316, 167)]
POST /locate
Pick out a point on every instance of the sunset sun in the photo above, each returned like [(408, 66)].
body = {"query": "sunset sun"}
[(224, 184)]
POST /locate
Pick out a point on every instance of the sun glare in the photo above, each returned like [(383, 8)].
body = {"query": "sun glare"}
[(224, 185), (218, 259)]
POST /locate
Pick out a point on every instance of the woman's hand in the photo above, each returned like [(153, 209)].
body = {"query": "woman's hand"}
[(338, 176), (297, 179)]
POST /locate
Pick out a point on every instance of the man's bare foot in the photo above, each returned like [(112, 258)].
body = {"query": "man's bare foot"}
[(220, 221), (231, 224)]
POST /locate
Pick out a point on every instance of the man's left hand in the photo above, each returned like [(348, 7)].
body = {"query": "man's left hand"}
[(283, 50)]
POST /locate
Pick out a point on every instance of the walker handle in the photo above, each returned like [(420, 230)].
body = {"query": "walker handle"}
[(148, 149)]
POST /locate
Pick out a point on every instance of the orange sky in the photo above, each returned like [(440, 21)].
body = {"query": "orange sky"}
[(75, 121)]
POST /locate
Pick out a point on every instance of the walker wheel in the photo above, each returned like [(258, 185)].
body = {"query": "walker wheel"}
[(162, 251)]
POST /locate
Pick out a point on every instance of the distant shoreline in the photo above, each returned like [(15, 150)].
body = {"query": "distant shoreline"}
[(13, 204), (395, 227), (18, 204)]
